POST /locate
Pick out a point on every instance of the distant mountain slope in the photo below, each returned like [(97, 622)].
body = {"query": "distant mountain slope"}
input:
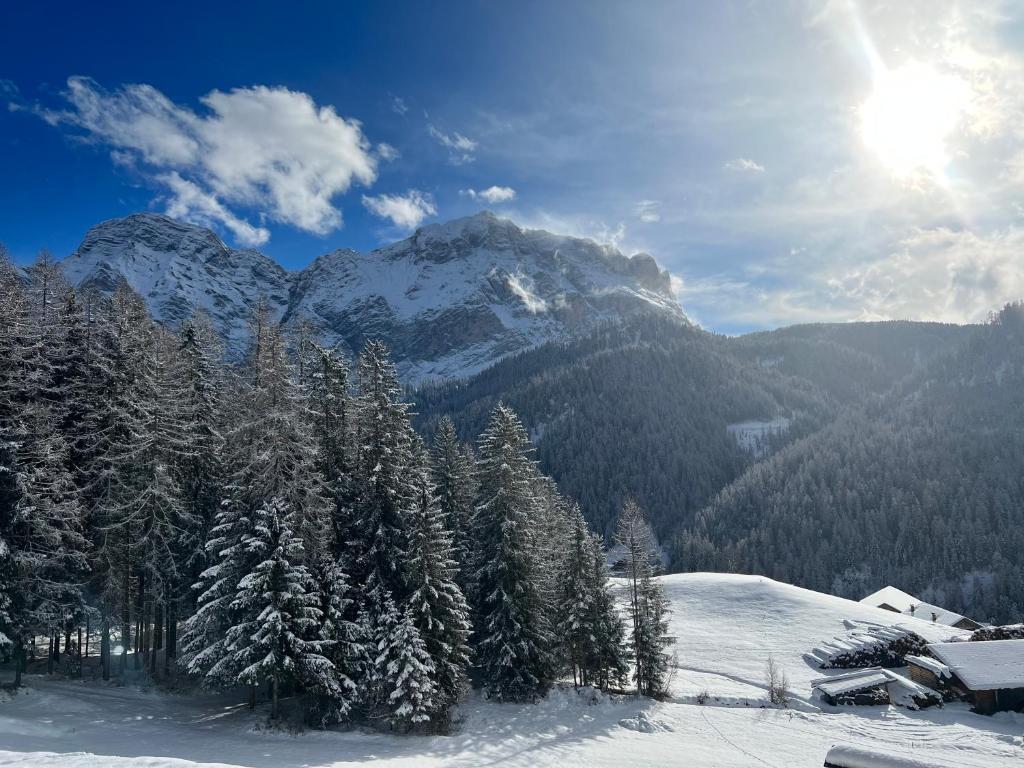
[(449, 300), (923, 489), (672, 414), (851, 360), (640, 409)]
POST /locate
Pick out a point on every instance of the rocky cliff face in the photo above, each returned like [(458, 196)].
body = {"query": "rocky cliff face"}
[(450, 300)]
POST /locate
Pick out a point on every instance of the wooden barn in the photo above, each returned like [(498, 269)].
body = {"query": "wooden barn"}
[(989, 674), (932, 673)]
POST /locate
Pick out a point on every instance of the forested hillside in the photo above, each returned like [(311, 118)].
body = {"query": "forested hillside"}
[(643, 409), (851, 360), (637, 410), (923, 488)]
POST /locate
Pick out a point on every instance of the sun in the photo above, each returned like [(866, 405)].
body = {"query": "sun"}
[(909, 117)]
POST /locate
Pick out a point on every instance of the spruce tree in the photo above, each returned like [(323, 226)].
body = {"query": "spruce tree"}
[(454, 477), (609, 664), (437, 605), (383, 476), (274, 639), (204, 649), (402, 674), (576, 604), (270, 456), (348, 646), (513, 637), (330, 407)]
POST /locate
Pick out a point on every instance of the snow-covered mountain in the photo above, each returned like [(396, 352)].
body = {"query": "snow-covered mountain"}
[(449, 300)]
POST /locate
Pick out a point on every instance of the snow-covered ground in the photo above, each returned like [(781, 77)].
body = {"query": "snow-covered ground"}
[(726, 626)]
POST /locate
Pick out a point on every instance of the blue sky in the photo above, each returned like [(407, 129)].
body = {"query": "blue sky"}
[(786, 161)]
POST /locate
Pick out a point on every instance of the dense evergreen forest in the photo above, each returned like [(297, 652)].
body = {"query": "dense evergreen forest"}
[(923, 488), (901, 463), (278, 525), (635, 411)]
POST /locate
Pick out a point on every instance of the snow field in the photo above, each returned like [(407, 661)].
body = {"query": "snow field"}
[(725, 625)]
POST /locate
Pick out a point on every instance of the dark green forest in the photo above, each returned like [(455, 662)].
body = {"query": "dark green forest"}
[(903, 461)]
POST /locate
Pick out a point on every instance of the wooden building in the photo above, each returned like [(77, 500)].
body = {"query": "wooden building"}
[(990, 674)]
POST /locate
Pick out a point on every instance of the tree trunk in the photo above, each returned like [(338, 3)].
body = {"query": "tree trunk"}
[(167, 640), (85, 650), (81, 661), (141, 620), (158, 626), (67, 640), (252, 696), (126, 618), (49, 656), (19, 662), (105, 647), (172, 629), (273, 701)]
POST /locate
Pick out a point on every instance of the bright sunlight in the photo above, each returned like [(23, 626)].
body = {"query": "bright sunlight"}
[(909, 116)]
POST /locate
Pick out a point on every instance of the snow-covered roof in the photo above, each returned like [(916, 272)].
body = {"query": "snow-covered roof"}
[(909, 605), (891, 596), (932, 665), (925, 611), (984, 666), (847, 683)]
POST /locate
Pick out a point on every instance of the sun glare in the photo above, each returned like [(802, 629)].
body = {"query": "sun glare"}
[(909, 116)]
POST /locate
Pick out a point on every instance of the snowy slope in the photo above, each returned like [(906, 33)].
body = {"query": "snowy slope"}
[(738, 620), (726, 626), (450, 300)]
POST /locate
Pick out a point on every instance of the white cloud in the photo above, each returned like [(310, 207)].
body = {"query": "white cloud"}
[(460, 148), (743, 165), (398, 106), (937, 274), (266, 148), (387, 152), (492, 195), (189, 202), (405, 211), (648, 211)]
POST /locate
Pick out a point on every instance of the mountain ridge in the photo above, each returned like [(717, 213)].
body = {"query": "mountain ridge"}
[(450, 300)]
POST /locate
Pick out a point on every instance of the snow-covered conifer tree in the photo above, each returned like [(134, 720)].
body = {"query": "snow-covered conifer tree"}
[(349, 648), (454, 476), (575, 614), (513, 639), (49, 550), (609, 663), (437, 605), (648, 605), (383, 476), (402, 674), (275, 637), (270, 455), (330, 406), (10, 618)]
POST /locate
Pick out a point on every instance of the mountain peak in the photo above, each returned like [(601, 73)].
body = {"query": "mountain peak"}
[(450, 300)]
